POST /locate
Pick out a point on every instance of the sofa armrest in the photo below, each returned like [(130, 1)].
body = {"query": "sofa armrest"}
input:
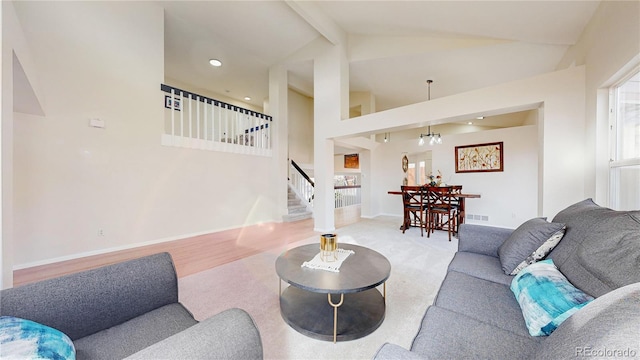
[(482, 239), (394, 352), (231, 334)]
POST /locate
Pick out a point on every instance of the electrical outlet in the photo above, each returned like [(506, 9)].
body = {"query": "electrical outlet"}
[(100, 232)]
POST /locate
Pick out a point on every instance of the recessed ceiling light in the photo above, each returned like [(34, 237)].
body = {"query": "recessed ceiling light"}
[(247, 98), (470, 123), (480, 117), (215, 62)]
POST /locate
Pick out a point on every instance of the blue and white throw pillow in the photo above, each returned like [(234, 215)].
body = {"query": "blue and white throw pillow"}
[(26, 339), (546, 297)]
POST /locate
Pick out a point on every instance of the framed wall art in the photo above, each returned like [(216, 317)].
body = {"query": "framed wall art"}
[(479, 157), (168, 103), (351, 161)]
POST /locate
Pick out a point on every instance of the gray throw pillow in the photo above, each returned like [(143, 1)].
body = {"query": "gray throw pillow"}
[(541, 252), (530, 242)]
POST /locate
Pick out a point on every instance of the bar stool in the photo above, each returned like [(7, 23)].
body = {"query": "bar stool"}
[(441, 212), (413, 203)]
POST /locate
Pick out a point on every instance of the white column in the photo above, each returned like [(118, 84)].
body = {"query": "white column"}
[(564, 161), (367, 199), (277, 108), (331, 105), (6, 156)]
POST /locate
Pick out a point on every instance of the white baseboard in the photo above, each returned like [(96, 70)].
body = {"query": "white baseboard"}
[(115, 248)]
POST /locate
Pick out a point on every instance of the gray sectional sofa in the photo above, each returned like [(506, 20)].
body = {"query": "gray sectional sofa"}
[(131, 310), (476, 315)]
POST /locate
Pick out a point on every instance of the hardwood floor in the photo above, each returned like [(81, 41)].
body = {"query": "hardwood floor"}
[(195, 254)]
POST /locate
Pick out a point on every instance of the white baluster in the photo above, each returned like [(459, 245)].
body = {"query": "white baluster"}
[(206, 120), (268, 132), (181, 119), (173, 125), (216, 120), (190, 119), (198, 117)]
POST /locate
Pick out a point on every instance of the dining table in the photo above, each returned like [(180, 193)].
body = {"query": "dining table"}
[(461, 196)]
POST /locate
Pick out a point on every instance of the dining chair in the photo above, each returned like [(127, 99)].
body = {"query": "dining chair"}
[(441, 211), (456, 203), (414, 204)]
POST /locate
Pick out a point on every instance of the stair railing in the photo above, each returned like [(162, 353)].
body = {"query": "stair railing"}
[(199, 122), (346, 195), (301, 183)]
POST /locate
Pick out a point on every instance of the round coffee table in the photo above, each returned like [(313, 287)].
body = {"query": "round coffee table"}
[(311, 304)]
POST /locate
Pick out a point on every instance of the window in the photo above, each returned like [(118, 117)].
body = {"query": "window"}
[(624, 168), (411, 174), (416, 173)]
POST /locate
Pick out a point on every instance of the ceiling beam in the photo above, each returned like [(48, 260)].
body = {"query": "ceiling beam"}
[(312, 14), (359, 142)]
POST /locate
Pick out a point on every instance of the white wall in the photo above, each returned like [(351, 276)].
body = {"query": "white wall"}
[(8, 23), (105, 60), (18, 71), (508, 198), (363, 101), (300, 133), (338, 165), (210, 94), (610, 47)]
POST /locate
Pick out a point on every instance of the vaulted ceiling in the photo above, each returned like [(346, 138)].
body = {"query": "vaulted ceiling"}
[(393, 46)]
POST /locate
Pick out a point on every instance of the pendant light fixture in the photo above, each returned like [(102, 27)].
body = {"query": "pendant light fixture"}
[(433, 138)]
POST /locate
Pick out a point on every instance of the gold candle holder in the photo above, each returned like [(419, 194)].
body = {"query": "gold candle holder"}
[(328, 247)]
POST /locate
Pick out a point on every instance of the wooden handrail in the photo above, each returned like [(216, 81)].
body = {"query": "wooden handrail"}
[(304, 174), (346, 187), (190, 95)]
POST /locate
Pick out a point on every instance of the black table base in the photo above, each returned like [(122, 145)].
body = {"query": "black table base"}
[(310, 313)]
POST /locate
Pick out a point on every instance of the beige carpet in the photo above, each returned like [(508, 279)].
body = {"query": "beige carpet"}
[(418, 265)]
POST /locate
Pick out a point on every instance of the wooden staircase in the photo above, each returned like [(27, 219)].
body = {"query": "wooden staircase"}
[(297, 210)]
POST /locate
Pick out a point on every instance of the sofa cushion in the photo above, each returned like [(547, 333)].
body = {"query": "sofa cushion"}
[(546, 297), (481, 266), (483, 300), (606, 328), (530, 242), (217, 337), (445, 334), (136, 334), (26, 339), (599, 251)]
